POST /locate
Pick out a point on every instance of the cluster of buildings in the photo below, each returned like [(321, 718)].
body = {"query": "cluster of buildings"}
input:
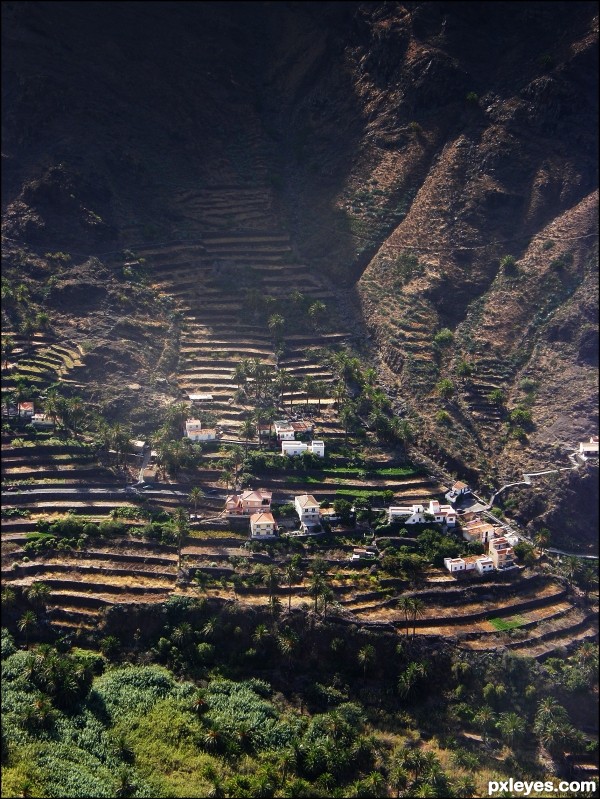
[(26, 411), (286, 432), (497, 543), (256, 505)]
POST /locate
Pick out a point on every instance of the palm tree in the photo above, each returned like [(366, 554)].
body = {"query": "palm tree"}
[(26, 623), (52, 405), (292, 575), (308, 386), (570, 567), (409, 678), (398, 777), (248, 431), (287, 642), (415, 762), (270, 577), (75, 411), (38, 594), (270, 416), (366, 656), (320, 391), (109, 646), (261, 634), (282, 381), (417, 611), (194, 496), (588, 578), (326, 596), (315, 588), (405, 604), (340, 392), (346, 414), (316, 313), (258, 417), (463, 787), (276, 324), (240, 374), (183, 634), (8, 344), (9, 598), (485, 720), (182, 523), (511, 727), (542, 538), (293, 385)]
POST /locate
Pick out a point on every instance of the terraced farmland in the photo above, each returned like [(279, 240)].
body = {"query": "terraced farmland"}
[(42, 360), (222, 285)]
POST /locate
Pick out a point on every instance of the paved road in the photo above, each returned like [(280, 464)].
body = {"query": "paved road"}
[(553, 551)]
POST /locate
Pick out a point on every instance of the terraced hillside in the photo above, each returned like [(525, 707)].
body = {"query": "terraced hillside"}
[(223, 288), (40, 359)]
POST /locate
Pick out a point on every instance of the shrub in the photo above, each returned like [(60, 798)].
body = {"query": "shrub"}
[(443, 417), (445, 388), (496, 396), (521, 416), (527, 384), (444, 337), (508, 264)]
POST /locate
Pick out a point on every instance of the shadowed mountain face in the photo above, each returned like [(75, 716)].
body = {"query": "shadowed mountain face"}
[(435, 162)]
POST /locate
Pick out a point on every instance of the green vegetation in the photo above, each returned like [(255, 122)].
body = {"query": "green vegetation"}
[(444, 337), (445, 388), (504, 625), (407, 266)]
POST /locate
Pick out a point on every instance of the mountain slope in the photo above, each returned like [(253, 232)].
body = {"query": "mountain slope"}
[(433, 165)]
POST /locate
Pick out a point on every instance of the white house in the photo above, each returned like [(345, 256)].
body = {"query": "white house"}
[(589, 449), (477, 530), (409, 514), (299, 447), (484, 565), (443, 514), (461, 565), (284, 430), (263, 525), (469, 564), (195, 432), (307, 509), (458, 490), (364, 553)]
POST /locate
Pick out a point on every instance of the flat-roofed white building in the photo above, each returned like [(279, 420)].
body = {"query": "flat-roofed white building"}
[(484, 565), (589, 449), (293, 448)]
